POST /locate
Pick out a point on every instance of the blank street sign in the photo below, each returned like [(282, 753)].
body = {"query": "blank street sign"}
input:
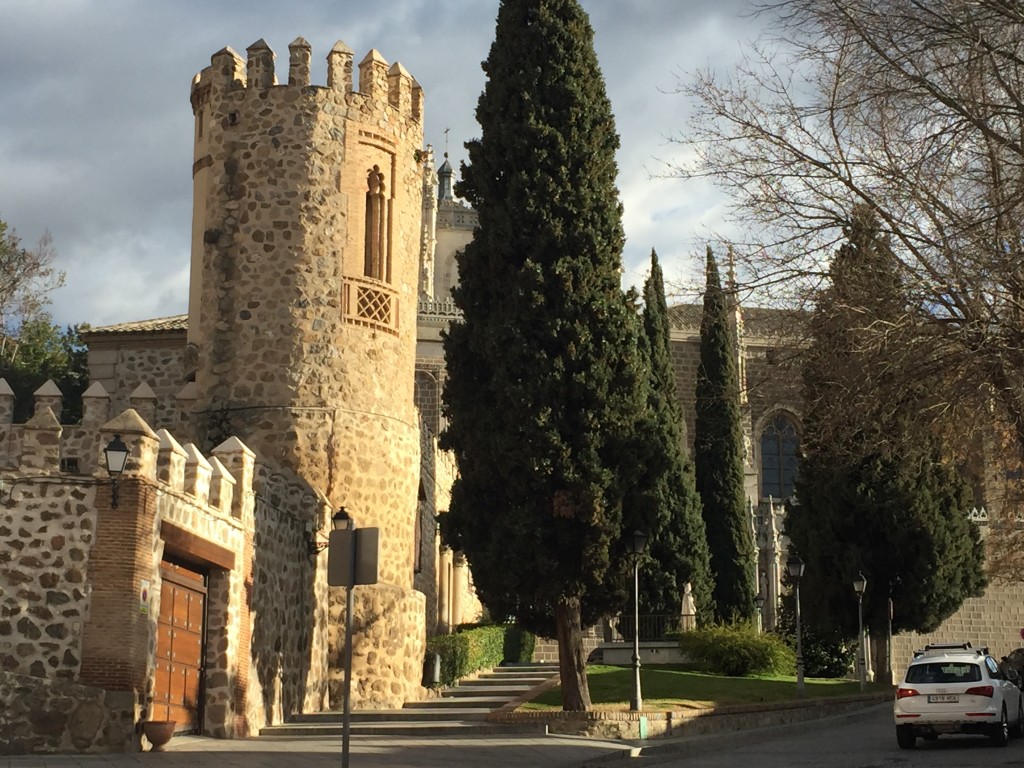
[(361, 546)]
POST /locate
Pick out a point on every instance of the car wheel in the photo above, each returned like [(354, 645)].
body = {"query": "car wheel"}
[(1018, 726), (1001, 731), (905, 736)]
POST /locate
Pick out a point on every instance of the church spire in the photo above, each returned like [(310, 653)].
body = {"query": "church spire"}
[(444, 180)]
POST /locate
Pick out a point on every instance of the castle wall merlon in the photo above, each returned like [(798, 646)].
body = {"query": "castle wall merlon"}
[(141, 440), (227, 70), (260, 65), (400, 88), (373, 76), (170, 463), (143, 399), (417, 101), (40, 442), (339, 68), (300, 56), (222, 486), (6, 402), (197, 474), (49, 396), (95, 406), (199, 93), (236, 457)]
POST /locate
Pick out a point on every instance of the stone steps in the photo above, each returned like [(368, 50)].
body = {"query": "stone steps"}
[(461, 709)]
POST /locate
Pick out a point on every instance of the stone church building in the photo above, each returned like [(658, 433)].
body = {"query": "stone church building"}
[(305, 378)]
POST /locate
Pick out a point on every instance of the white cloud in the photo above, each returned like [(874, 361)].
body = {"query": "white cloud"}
[(96, 130)]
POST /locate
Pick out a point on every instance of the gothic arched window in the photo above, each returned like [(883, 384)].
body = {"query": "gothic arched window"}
[(779, 449)]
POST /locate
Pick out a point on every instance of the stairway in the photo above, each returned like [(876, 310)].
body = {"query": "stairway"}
[(461, 709)]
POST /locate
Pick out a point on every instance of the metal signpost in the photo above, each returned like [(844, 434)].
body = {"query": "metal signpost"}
[(352, 558)]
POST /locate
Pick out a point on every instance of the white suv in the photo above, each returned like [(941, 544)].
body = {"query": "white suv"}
[(956, 689)]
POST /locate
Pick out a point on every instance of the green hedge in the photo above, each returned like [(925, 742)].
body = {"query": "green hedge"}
[(737, 650), (473, 648)]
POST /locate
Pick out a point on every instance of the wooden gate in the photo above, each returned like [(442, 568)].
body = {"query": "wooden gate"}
[(179, 647)]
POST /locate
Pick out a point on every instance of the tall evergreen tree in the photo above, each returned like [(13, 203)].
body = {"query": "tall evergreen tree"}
[(875, 493), (665, 495), (718, 457), (545, 382)]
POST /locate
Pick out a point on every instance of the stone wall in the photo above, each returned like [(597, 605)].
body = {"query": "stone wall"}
[(389, 642), (42, 715), (121, 360), (289, 606), (995, 620), (46, 534), (74, 570)]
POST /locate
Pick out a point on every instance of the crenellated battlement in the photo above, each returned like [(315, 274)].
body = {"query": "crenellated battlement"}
[(380, 83), (43, 448)]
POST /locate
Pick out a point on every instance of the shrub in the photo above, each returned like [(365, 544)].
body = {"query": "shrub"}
[(827, 653), (737, 650), (826, 657), (474, 647)]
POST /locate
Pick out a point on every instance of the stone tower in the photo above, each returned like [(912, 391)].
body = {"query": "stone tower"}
[(302, 308)]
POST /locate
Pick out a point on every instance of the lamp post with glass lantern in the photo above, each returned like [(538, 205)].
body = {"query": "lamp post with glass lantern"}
[(859, 585), (635, 546), (759, 603), (796, 572)]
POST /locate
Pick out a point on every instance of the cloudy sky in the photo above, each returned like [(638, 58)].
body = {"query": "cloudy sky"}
[(96, 126)]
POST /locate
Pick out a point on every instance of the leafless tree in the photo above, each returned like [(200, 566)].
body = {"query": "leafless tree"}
[(27, 276), (913, 109)]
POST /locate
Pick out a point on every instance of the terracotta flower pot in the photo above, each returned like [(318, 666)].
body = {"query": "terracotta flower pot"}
[(158, 732)]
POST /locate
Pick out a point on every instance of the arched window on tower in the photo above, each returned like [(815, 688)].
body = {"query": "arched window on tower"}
[(780, 447)]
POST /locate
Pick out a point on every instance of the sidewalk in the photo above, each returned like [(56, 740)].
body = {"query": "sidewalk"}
[(365, 752)]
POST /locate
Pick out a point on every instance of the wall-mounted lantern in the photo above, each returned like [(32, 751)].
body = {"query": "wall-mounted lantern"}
[(340, 521), (116, 454)]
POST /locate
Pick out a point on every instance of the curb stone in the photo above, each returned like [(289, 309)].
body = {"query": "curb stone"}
[(662, 751)]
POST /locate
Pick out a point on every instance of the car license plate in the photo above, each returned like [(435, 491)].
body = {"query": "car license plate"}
[(943, 698)]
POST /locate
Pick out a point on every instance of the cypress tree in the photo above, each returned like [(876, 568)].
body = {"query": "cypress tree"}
[(875, 494), (545, 382), (665, 494), (718, 457)]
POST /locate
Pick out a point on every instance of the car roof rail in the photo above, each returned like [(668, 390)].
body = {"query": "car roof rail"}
[(939, 649)]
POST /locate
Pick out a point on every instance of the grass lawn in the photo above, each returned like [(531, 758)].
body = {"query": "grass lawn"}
[(670, 686)]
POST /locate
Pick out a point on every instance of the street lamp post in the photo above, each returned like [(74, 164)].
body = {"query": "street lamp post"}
[(635, 546), (759, 604), (859, 585), (893, 583), (796, 572)]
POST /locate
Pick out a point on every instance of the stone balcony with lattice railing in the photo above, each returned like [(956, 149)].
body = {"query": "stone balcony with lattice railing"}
[(370, 303)]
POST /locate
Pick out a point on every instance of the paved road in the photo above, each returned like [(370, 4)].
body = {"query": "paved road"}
[(867, 740), (863, 740), (366, 752)]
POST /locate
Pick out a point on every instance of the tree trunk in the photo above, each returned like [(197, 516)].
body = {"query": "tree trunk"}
[(572, 663), (880, 658)]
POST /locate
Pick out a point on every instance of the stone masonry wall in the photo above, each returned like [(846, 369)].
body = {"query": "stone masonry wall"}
[(122, 369), (266, 633), (994, 620), (289, 636), (46, 534), (61, 716)]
